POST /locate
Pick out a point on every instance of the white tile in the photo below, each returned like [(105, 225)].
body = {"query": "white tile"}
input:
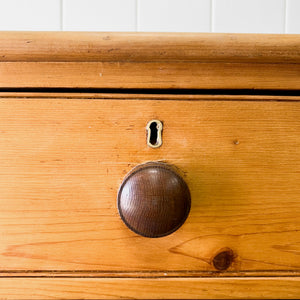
[(99, 15), (174, 15), (30, 15), (293, 16), (249, 16)]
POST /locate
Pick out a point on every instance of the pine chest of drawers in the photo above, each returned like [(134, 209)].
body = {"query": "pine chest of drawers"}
[(149, 166)]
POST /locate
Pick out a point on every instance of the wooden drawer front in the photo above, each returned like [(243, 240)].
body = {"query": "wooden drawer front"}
[(63, 159)]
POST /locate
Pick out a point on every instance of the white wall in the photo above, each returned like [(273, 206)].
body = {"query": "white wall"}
[(253, 16)]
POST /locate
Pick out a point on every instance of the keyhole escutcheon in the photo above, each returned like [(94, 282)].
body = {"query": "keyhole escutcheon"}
[(154, 133)]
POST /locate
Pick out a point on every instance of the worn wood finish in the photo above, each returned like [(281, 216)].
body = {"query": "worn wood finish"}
[(63, 160), (135, 60), (141, 47), (141, 288), (151, 75), (153, 200)]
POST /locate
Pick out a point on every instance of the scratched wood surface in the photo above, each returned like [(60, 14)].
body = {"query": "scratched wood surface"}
[(63, 159), (149, 60)]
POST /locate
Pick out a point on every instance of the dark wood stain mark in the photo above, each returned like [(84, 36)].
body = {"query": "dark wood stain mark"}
[(223, 260)]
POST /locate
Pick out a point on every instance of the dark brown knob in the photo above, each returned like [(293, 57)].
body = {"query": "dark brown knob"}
[(153, 200)]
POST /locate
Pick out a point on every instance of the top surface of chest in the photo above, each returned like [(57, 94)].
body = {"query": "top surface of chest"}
[(149, 61)]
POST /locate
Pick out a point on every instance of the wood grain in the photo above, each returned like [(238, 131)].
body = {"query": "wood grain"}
[(148, 96), (142, 47), (153, 200), (149, 75), (148, 60), (63, 157), (160, 288), (63, 160)]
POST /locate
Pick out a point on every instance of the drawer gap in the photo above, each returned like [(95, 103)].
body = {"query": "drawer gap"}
[(158, 91)]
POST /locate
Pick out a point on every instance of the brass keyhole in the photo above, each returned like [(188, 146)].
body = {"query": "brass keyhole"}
[(154, 137)]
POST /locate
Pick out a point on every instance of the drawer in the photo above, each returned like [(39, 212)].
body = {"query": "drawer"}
[(63, 159)]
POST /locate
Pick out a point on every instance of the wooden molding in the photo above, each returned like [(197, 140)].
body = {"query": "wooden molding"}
[(148, 47), (149, 60), (150, 288)]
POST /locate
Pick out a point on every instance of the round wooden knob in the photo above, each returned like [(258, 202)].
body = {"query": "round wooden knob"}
[(153, 200)]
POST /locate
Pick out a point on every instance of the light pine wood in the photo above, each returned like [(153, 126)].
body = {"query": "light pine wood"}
[(63, 159), (148, 96), (64, 155), (160, 288), (146, 274), (147, 60), (151, 75), (141, 47)]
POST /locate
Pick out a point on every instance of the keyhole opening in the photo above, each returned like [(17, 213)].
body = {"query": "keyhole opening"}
[(154, 129), (153, 133)]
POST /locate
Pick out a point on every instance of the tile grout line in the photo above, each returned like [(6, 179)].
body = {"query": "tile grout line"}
[(285, 16), (61, 15), (136, 15), (211, 15)]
